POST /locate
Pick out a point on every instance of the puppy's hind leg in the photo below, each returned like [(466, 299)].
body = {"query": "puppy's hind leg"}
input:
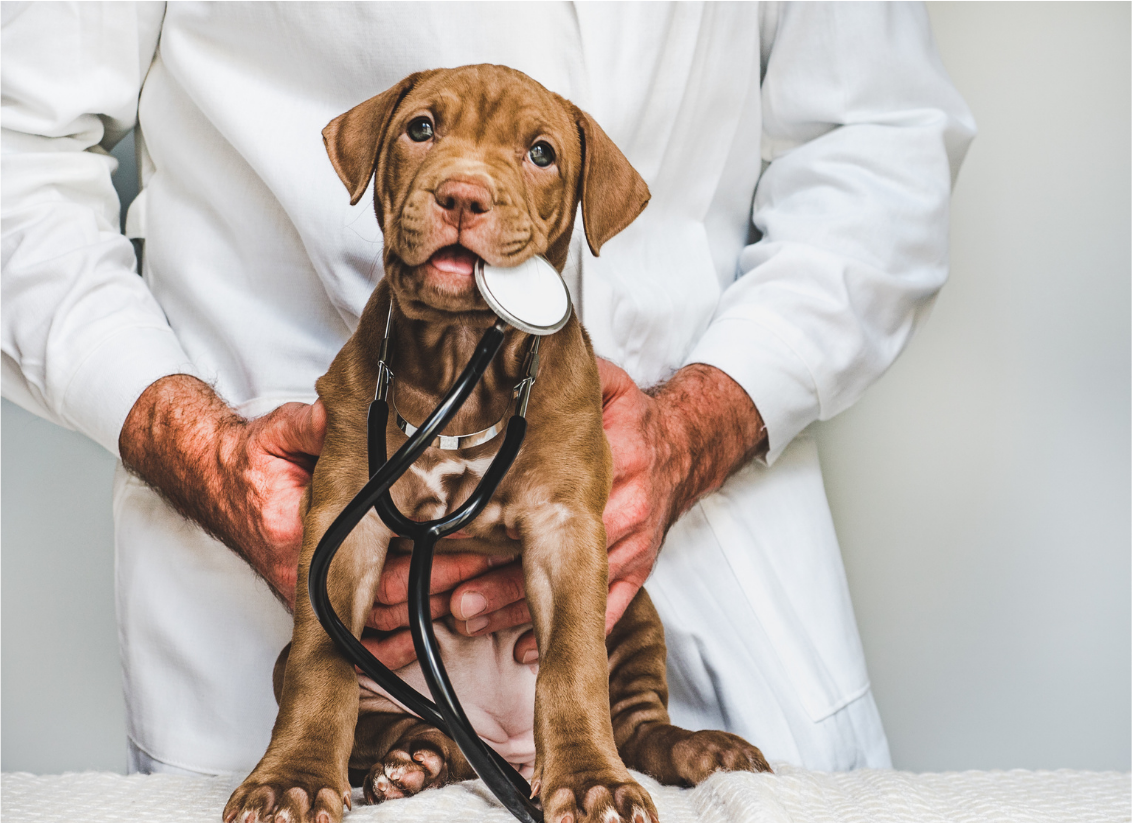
[(403, 755), (638, 701)]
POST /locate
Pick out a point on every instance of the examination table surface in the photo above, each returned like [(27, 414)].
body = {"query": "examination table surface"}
[(791, 795)]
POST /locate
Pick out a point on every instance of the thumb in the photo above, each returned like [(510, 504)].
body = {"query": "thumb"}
[(298, 428), (615, 381), (313, 430)]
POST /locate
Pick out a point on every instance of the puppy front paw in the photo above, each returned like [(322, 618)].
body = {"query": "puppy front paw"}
[(287, 796), (590, 797), (410, 768)]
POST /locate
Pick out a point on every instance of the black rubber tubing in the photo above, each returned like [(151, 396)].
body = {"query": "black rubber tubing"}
[(446, 714)]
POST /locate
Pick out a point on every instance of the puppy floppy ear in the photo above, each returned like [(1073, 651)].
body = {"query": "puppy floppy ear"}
[(613, 194), (352, 139)]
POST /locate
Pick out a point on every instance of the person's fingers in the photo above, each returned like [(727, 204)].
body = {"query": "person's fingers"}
[(621, 555), (489, 593), (632, 558), (621, 594), (388, 618), (448, 571), (627, 511), (506, 618), (394, 651), (526, 648)]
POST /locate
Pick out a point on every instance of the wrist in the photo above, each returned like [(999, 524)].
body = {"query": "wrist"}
[(184, 442), (676, 450), (711, 427)]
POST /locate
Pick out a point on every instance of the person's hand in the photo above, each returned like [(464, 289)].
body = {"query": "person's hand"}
[(472, 587), (269, 464), (241, 480), (650, 462)]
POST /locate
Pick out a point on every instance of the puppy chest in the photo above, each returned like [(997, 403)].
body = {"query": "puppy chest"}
[(438, 483)]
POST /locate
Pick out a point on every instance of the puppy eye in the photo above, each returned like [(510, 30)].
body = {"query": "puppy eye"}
[(542, 154), (419, 129)]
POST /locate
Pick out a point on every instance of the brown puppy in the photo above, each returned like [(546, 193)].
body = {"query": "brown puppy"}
[(482, 162)]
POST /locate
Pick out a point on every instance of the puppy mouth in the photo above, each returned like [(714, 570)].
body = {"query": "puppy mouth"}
[(455, 261), (450, 273)]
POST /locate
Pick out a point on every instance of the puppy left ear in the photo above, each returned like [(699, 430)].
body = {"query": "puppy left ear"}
[(613, 194), (352, 139)]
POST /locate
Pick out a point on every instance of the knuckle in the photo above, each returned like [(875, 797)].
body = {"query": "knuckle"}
[(380, 622), (635, 510), (394, 586), (521, 613), (514, 587), (387, 619)]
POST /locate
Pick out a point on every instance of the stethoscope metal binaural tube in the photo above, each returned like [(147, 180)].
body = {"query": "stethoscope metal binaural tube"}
[(446, 713)]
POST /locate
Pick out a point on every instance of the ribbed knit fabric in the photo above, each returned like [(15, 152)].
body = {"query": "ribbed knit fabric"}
[(791, 795)]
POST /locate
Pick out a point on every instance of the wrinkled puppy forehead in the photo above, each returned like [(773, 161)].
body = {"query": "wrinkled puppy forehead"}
[(493, 104)]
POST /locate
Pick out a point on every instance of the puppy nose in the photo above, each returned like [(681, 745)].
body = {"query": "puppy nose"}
[(462, 201)]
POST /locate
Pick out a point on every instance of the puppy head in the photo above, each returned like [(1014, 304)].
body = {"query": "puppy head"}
[(478, 162)]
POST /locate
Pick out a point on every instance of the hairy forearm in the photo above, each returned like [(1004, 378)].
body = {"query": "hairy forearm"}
[(712, 428), (241, 480), (179, 438)]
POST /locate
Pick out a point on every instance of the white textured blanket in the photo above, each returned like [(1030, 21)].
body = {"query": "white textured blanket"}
[(791, 795)]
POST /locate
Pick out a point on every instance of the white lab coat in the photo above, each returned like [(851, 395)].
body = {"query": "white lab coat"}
[(256, 269)]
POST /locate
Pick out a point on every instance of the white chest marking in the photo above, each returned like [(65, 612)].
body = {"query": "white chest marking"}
[(433, 478)]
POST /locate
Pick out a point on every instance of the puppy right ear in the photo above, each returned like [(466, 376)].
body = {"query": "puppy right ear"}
[(613, 194), (352, 139)]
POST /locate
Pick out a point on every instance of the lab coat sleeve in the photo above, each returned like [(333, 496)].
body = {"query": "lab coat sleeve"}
[(82, 335), (863, 135)]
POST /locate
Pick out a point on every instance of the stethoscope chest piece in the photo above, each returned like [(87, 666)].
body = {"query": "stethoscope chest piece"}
[(532, 296)]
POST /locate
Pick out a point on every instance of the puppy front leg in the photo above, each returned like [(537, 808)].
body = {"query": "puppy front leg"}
[(578, 773), (303, 777)]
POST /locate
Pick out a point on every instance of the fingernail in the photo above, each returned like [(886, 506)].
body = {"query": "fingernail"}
[(531, 656), (472, 603), (476, 624), (498, 560)]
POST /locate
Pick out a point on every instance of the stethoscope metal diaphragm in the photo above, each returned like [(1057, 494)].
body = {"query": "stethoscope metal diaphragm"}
[(532, 296)]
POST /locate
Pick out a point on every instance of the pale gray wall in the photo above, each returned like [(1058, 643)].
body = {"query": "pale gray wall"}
[(981, 490), (62, 707)]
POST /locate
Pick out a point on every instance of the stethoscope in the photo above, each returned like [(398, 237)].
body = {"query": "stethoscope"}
[(533, 298)]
